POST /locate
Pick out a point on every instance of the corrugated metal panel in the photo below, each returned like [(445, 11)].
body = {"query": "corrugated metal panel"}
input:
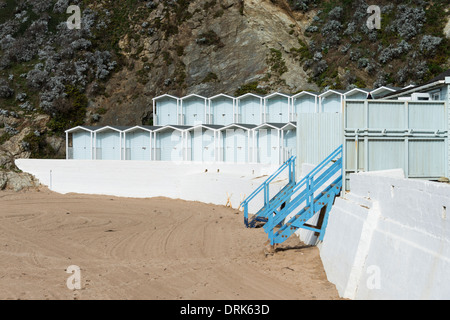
[(393, 134), (318, 134)]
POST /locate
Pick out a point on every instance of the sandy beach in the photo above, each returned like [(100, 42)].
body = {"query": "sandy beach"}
[(145, 249)]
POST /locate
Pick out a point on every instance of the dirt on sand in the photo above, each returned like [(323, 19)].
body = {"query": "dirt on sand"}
[(145, 249)]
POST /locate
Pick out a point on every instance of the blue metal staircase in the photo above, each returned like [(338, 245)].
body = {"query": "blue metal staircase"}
[(296, 203), (263, 214)]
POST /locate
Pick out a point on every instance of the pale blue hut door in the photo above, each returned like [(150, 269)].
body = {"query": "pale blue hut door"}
[(277, 110), (197, 145), (208, 145), (250, 111), (171, 145), (264, 146), (194, 111), (290, 143), (241, 143), (109, 142), (166, 110), (305, 104), (222, 111), (81, 145), (138, 145), (230, 146), (332, 104)]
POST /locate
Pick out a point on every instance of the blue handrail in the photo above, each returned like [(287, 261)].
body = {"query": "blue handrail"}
[(290, 163), (310, 185)]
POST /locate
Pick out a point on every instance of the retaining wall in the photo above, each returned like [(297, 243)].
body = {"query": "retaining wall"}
[(214, 183), (389, 238)]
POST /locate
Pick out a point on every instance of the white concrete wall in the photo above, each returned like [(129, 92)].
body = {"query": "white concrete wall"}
[(145, 179), (389, 238)]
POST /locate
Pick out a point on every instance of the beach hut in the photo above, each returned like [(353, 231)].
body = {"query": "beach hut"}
[(138, 142), (304, 102), (108, 143), (249, 109), (276, 107), (193, 110), (221, 110), (235, 142), (202, 143), (331, 101), (166, 110), (268, 143), (79, 143), (169, 143), (357, 94), (289, 141)]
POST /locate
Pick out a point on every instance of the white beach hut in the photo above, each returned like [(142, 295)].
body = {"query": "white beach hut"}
[(221, 109), (357, 94), (193, 110), (276, 107), (331, 101), (304, 102), (166, 110), (236, 143), (80, 143), (202, 143), (249, 109), (268, 143), (138, 142), (169, 143), (289, 141), (108, 143)]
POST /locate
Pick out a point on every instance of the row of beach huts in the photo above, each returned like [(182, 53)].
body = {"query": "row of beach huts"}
[(246, 129)]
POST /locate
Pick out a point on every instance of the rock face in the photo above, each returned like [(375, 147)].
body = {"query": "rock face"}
[(216, 50), (17, 181)]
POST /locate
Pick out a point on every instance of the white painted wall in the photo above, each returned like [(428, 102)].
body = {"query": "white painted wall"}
[(144, 179), (389, 238)]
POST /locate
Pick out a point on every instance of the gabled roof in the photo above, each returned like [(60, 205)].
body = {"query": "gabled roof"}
[(213, 127), (385, 89), (290, 125), (166, 96), (303, 93), (239, 125), (114, 128), (83, 128), (192, 96), (221, 95), (277, 94), (277, 126), (173, 127), (250, 95), (145, 128), (354, 90), (332, 91)]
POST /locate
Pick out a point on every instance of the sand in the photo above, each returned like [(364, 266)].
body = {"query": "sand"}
[(145, 249)]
